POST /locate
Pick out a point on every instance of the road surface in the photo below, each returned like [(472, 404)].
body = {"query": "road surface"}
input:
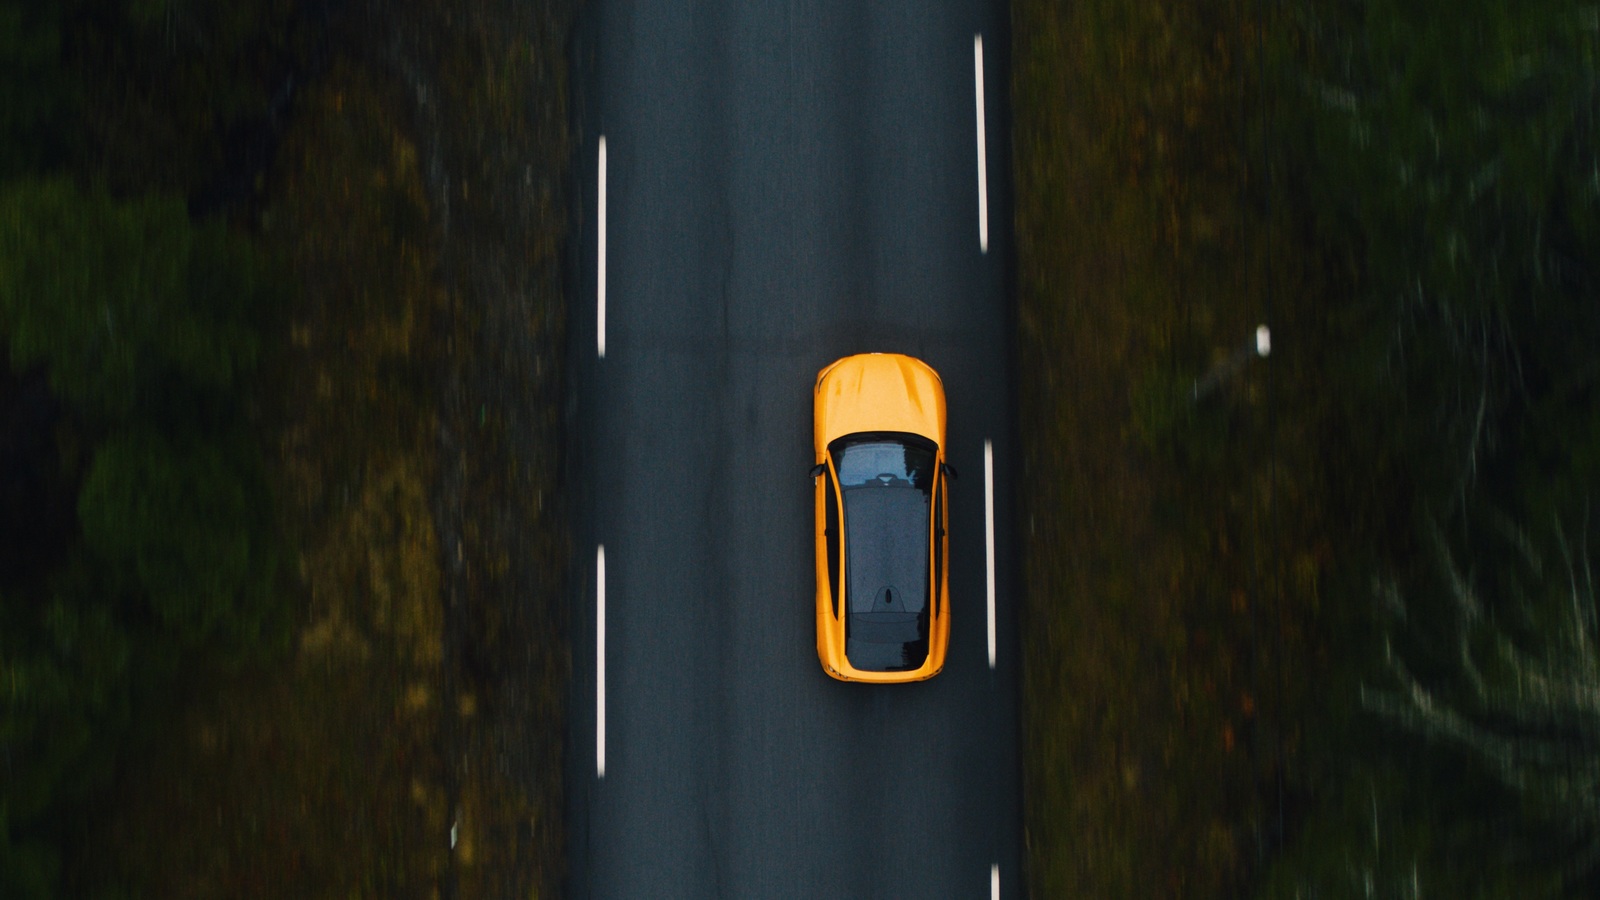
[(766, 187)]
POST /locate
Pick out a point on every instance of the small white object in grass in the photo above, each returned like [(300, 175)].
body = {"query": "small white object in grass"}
[(1263, 340), (452, 835)]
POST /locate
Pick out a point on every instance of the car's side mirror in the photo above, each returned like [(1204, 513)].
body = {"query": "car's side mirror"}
[(818, 469), (949, 471)]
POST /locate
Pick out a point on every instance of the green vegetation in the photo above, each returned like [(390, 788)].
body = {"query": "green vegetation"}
[(177, 520), (124, 303), (1455, 158), (246, 574), (174, 554), (1288, 638)]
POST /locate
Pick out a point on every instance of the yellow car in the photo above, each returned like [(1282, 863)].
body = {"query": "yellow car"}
[(883, 607)]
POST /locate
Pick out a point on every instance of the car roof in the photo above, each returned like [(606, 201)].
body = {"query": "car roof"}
[(886, 525)]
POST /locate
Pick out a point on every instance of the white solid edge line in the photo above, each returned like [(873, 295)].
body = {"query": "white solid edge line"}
[(983, 147), (600, 662), (600, 264), (994, 882), (988, 534)]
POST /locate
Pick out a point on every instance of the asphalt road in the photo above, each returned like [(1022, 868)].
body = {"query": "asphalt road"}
[(784, 184)]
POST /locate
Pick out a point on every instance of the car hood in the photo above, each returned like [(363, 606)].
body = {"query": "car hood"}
[(879, 392)]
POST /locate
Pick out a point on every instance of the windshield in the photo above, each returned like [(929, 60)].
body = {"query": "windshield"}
[(885, 462), (887, 484)]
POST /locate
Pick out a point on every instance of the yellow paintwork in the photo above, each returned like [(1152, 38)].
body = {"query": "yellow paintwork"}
[(878, 392)]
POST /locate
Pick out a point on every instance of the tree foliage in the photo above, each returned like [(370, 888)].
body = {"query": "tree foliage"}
[(123, 301), (1368, 841), (118, 119), (182, 523), (1452, 151), (60, 684), (1503, 666), (28, 869), (33, 86), (1446, 155), (146, 325), (65, 665), (183, 96)]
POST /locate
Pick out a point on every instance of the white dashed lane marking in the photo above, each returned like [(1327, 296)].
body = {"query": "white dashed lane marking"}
[(988, 534), (600, 662), (600, 264), (983, 146)]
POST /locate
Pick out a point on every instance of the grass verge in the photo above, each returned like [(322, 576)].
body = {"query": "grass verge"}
[(1177, 545)]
